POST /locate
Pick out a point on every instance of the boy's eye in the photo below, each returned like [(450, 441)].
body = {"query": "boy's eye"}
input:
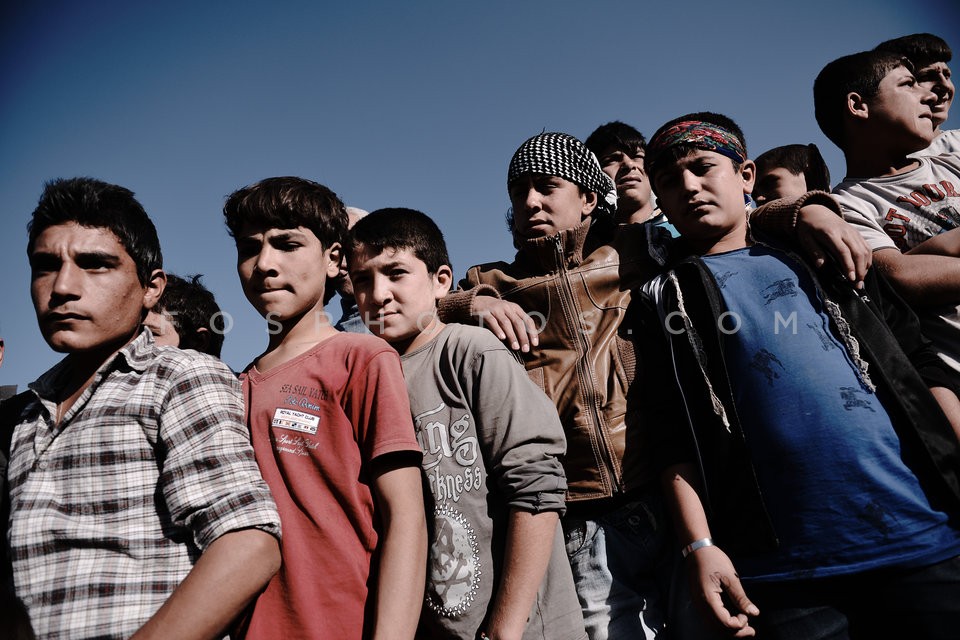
[(359, 279), (613, 158), (702, 168), (43, 264), (666, 179), (286, 245), (247, 249), (94, 263)]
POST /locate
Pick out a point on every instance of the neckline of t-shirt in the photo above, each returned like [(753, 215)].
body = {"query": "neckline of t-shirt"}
[(429, 343), (922, 161), (256, 374)]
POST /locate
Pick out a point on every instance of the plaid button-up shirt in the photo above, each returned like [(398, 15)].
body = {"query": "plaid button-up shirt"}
[(111, 508)]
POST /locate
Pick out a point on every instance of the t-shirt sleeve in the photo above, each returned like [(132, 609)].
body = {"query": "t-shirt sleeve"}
[(209, 478), (863, 216), (379, 407), (520, 432)]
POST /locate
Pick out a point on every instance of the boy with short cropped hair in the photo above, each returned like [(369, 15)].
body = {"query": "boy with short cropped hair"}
[(814, 458), (136, 506), (930, 55), (187, 316), (906, 208), (789, 172), (620, 149), (329, 419), (491, 442)]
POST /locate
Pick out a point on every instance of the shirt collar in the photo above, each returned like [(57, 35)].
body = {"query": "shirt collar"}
[(137, 355)]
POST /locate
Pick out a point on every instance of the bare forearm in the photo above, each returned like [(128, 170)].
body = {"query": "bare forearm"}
[(226, 578), (403, 554), (527, 555), (942, 244), (689, 519), (923, 280), (951, 406), (711, 572)]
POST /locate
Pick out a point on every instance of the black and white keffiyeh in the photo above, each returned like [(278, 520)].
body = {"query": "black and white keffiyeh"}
[(562, 155)]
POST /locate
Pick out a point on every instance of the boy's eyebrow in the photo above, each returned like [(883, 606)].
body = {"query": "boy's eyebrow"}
[(84, 257), (393, 264), (111, 259), (289, 235)]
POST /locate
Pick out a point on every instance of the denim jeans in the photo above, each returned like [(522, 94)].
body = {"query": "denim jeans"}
[(889, 603), (621, 565)]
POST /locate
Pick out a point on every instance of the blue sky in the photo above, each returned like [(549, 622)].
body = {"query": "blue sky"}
[(417, 104)]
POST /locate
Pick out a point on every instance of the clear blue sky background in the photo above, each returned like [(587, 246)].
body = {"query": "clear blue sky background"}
[(417, 104)]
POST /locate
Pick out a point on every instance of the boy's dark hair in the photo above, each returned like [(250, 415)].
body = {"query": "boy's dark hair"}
[(615, 135), (859, 73), (192, 307), (286, 203), (672, 153), (399, 228), (922, 49), (96, 204), (797, 159)]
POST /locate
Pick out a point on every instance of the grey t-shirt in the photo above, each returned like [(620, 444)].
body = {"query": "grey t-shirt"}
[(491, 442)]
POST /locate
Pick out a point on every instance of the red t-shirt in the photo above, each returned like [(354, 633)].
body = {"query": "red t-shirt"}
[(316, 423)]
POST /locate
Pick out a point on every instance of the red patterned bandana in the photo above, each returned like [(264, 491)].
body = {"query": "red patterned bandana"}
[(697, 135)]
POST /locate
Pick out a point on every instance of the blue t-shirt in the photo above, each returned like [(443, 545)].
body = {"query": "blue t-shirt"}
[(826, 455)]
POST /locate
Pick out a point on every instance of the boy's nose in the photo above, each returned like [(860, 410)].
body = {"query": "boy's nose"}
[(532, 200), (65, 283), (690, 182), (929, 97), (380, 292), (264, 262)]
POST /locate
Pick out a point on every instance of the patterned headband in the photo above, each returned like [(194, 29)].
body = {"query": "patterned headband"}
[(698, 135), (562, 155)]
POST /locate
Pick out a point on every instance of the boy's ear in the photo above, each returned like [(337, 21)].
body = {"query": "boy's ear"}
[(201, 339), (153, 289), (442, 281), (344, 271), (337, 262), (589, 204), (748, 171), (857, 106)]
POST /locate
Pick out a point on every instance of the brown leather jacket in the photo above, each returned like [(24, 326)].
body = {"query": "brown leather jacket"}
[(577, 289)]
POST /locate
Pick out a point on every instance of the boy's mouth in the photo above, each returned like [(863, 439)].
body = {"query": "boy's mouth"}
[(61, 318)]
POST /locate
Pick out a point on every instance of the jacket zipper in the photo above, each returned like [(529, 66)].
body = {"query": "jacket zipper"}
[(584, 373)]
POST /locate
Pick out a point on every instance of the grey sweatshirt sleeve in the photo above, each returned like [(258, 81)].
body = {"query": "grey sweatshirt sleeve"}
[(520, 432)]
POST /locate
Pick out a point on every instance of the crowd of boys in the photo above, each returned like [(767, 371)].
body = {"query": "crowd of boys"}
[(688, 417)]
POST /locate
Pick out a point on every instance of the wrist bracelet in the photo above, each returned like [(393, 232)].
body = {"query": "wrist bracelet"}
[(696, 544)]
